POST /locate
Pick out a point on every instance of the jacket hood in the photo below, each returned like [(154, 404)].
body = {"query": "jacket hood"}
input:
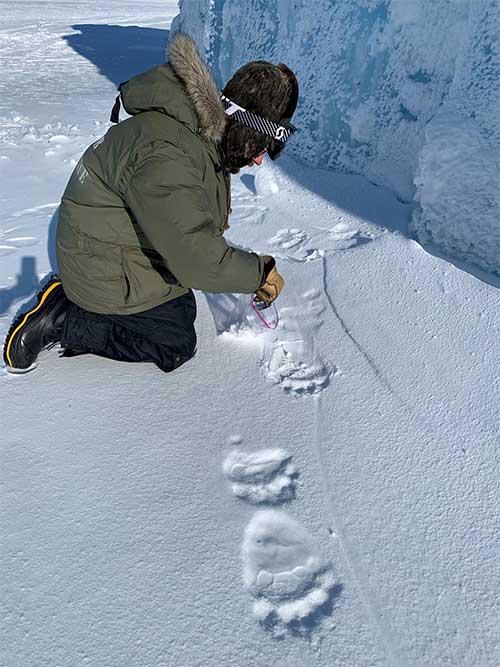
[(183, 88)]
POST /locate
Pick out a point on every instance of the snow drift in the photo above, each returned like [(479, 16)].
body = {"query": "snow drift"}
[(405, 93)]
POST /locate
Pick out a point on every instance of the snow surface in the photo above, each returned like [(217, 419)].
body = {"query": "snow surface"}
[(264, 476), (124, 541), (404, 92)]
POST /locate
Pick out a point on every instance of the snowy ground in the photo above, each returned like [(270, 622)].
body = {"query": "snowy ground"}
[(322, 494)]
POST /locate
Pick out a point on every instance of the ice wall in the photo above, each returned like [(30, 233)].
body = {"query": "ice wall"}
[(405, 92)]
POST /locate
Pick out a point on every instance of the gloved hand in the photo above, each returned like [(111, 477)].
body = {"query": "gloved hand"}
[(272, 282)]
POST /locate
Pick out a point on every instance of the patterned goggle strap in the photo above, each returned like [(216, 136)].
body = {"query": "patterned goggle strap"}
[(274, 131)]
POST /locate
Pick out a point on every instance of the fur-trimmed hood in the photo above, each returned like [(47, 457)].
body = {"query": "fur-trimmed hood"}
[(187, 63), (182, 88)]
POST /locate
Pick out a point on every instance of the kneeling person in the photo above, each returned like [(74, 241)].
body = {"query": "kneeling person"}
[(142, 219)]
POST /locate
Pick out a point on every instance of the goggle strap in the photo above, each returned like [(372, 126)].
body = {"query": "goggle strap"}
[(272, 130)]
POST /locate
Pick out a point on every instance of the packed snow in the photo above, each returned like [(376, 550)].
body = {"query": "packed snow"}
[(264, 476), (406, 93), (283, 570), (320, 490)]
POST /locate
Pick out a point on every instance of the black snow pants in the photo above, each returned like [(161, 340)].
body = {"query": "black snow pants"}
[(164, 335)]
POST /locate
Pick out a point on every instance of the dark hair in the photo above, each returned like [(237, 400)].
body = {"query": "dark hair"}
[(262, 88)]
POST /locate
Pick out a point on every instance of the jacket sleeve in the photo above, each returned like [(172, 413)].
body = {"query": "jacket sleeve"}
[(166, 196)]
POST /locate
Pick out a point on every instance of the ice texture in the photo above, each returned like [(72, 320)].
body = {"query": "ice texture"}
[(458, 171), (405, 93)]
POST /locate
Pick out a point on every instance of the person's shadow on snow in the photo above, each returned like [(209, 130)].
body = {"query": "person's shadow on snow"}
[(51, 241), (119, 52), (26, 283)]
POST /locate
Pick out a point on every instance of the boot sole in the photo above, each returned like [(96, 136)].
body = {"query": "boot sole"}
[(22, 371), (21, 321)]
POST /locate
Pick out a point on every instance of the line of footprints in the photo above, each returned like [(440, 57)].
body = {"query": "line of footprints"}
[(291, 583)]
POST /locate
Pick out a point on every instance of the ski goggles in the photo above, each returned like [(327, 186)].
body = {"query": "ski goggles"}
[(278, 133)]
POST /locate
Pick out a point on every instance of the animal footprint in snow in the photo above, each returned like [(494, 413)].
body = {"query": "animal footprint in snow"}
[(252, 213), (345, 235), (315, 306), (289, 244), (291, 359), (284, 367), (343, 231), (284, 571), (289, 238), (266, 475)]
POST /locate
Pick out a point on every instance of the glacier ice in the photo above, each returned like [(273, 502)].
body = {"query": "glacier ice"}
[(405, 93)]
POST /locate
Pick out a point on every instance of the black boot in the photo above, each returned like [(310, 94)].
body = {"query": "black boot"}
[(38, 328)]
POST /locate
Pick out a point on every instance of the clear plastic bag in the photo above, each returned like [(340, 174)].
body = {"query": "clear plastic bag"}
[(238, 311), (268, 315)]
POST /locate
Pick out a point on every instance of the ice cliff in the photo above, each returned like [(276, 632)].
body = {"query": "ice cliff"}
[(404, 92)]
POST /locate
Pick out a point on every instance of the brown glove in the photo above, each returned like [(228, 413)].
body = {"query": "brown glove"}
[(272, 282)]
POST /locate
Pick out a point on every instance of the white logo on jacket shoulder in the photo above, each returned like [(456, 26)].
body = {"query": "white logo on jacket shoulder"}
[(81, 172), (97, 143)]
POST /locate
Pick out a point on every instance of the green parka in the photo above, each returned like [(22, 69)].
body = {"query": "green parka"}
[(143, 215)]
